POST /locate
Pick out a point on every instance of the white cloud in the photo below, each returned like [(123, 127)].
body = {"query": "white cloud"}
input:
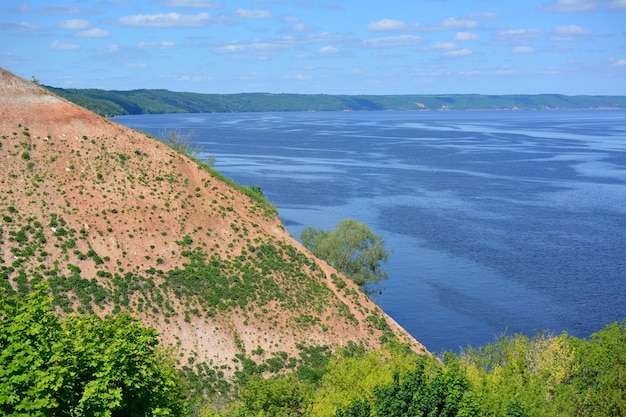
[(570, 6), (523, 50), (195, 78), (620, 63), (83, 27), (617, 4), (323, 37), (570, 33), (156, 45), (93, 33), (296, 25), (56, 45), (50, 10), (484, 16), (571, 30), (445, 46), (453, 23), (458, 52), (231, 48), (302, 77), (267, 46), (256, 47), (451, 49), (111, 48), (74, 24), (278, 44), (384, 25), (392, 25), (134, 65), (432, 72), (301, 27), (193, 4), (166, 20), (519, 35), (391, 41), (22, 27), (505, 70), (328, 50), (253, 14), (466, 36)]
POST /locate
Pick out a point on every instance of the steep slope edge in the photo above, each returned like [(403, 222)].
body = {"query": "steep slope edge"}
[(115, 220)]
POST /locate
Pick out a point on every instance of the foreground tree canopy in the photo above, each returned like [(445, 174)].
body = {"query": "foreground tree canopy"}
[(81, 365), (351, 248), (515, 376)]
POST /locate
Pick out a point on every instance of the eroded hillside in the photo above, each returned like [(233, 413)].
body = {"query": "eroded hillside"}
[(115, 220)]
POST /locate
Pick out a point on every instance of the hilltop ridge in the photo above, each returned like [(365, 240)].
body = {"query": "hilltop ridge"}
[(115, 220), (116, 103)]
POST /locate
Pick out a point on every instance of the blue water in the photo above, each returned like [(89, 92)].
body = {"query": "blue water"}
[(498, 220)]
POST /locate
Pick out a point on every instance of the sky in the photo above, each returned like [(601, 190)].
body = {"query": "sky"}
[(569, 47)]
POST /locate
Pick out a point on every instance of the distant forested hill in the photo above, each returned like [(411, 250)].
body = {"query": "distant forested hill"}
[(115, 103)]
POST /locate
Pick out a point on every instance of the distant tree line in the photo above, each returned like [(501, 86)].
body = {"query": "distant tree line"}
[(115, 103)]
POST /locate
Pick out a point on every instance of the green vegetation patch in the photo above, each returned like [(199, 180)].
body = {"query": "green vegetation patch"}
[(268, 271), (81, 365), (115, 103)]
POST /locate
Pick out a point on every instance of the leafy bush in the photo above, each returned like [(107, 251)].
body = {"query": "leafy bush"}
[(276, 397), (351, 248), (82, 365)]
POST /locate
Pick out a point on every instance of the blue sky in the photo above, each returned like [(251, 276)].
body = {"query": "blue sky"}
[(327, 46)]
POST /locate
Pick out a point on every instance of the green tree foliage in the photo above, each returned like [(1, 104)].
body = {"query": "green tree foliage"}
[(182, 143), (430, 389), (357, 409), (439, 392), (82, 365), (86, 366), (275, 397), (352, 377), (600, 377), (550, 374), (523, 376), (108, 103), (351, 248), (30, 372), (518, 376)]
